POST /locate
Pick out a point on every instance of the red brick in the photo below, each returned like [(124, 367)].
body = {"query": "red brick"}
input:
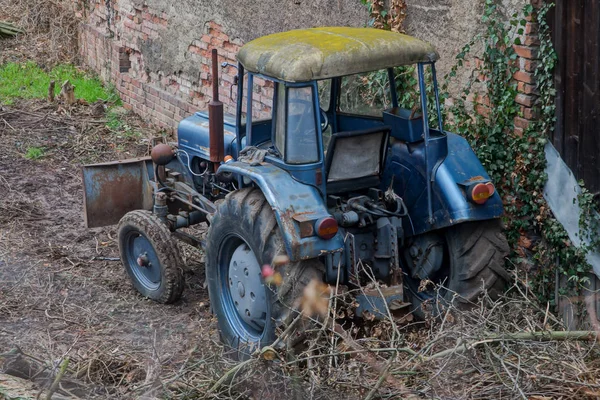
[(482, 110), (519, 131), (528, 65), (531, 27), (216, 42), (521, 123), (525, 77), (525, 100), (526, 51), (532, 40), (528, 113), (525, 88), (483, 100), (130, 24)]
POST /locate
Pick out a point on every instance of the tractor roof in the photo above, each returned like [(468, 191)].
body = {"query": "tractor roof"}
[(319, 53)]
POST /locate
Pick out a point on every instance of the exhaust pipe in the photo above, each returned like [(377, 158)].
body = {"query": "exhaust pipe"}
[(215, 117)]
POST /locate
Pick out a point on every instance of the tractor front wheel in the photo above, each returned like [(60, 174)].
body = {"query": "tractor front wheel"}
[(466, 261), (242, 238), (150, 256)]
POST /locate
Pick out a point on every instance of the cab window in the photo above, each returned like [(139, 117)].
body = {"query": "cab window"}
[(365, 94), (296, 129)]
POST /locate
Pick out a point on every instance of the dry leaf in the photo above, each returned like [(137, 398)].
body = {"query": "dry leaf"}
[(315, 299)]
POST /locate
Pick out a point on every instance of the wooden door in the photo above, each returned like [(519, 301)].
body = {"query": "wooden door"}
[(575, 28)]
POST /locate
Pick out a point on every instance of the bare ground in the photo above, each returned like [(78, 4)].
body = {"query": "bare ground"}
[(54, 296), (60, 298)]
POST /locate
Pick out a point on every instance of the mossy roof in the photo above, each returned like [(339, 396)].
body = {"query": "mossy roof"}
[(319, 53)]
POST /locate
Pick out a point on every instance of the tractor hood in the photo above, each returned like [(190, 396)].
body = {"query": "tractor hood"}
[(193, 135)]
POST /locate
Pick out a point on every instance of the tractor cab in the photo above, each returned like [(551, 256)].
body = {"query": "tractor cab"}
[(312, 72)]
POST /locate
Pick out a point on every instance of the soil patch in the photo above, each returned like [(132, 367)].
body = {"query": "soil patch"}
[(56, 296)]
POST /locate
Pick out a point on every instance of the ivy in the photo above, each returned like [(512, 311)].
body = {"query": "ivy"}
[(517, 162), (484, 113)]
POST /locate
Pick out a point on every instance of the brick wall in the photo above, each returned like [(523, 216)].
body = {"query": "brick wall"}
[(528, 56), (110, 43), (123, 39)]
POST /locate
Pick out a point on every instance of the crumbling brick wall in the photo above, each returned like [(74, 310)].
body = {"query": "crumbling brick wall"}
[(159, 59), (163, 98), (528, 56), (157, 53)]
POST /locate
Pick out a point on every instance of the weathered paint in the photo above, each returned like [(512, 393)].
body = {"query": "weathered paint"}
[(290, 199), (113, 189), (406, 167), (193, 137), (377, 302), (319, 53)]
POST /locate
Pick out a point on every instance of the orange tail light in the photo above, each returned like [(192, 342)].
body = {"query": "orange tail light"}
[(481, 192), (326, 228)]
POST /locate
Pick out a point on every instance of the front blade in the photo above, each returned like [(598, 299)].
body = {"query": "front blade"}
[(113, 189)]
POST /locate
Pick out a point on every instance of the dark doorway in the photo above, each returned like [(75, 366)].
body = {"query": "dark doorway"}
[(575, 28)]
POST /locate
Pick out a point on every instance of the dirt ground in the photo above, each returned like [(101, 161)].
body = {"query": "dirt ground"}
[(55, 297)]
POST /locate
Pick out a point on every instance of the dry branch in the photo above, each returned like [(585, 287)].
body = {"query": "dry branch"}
[(61, 372), (51, 91), (8, 29), (52, 23)]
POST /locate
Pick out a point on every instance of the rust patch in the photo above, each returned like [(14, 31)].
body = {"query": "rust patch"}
[(113, 189)]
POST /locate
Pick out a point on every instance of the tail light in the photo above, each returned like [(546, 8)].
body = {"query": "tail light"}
[(326, 228), (481, 192)]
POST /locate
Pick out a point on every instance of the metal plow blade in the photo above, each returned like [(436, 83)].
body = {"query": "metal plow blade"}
[(113, 189)]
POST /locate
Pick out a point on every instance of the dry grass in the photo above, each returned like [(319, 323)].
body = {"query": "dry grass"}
[(50, 25), (511, 348)]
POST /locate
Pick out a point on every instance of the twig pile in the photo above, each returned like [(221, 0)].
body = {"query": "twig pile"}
[(511, 348), (75, 134), (52, 23)]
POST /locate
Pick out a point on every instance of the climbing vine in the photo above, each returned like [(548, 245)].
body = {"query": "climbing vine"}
[(388, 18), (516, 162), (484, 112)]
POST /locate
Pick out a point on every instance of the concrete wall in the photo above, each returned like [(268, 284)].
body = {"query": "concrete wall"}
[(157, 53)]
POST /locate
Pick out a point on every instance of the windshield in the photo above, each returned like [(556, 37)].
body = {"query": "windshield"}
[(296, 130)]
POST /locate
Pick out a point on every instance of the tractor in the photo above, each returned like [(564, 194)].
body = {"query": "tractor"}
[(343, 192)]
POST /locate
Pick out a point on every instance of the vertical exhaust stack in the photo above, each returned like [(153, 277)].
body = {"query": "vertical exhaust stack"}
[(215, 116)]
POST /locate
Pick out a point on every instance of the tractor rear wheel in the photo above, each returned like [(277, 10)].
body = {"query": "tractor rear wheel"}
[(243, 236), (472, 264), (150, 256)]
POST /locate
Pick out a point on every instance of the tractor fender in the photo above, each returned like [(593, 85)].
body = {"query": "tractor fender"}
[(291, 202), (460, 169), (405, 169)]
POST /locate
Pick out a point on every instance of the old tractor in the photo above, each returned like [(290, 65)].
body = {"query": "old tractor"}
[(344, 192)]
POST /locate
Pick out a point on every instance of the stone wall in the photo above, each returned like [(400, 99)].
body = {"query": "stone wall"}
[(157, 53)]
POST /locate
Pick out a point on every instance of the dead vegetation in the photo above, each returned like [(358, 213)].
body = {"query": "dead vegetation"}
[(49, 28)]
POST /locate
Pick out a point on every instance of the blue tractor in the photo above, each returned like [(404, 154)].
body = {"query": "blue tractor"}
[(345, 192)]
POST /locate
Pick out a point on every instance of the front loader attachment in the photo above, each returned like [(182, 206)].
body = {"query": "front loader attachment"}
[(112, 189)]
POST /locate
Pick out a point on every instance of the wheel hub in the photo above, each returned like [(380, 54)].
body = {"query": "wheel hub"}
[(143, 260), (425, 256), (246, 287)]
